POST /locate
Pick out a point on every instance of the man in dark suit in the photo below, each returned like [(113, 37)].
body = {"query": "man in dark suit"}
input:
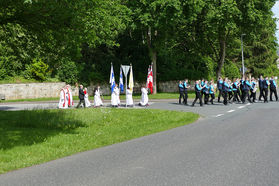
[(81, 97), (261, 88)]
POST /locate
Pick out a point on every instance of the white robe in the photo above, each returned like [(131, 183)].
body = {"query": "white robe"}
[(63, 101), (129, 97), (86, 100), (144, 97), (97, 99), (71, 103), (115, 100)]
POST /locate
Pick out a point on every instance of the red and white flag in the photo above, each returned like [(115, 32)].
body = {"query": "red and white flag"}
[(149, 82)]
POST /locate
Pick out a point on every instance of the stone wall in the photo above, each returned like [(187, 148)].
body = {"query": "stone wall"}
[(41, 90), (30, 90), (171, 86)]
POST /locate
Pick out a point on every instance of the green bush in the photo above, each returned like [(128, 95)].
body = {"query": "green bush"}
[(36, 70), (231, 70), (8, 66), (67, 71)]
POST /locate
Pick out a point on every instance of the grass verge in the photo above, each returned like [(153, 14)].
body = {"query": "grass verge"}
[(33, 137), (122, 97)]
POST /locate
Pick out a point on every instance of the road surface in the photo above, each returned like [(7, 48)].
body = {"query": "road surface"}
[(230, 145)]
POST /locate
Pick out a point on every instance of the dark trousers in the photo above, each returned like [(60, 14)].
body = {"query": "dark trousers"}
[(225, 93), (253, 95), (181, 95), (206, 98), (202, 93), (185, 97), (265, 94), (242, 94), (198, 96), (212, 97), (236, 95), (230, 95), (220, 94), (275, 94), (245, 95), (81, 102), (261, 94)]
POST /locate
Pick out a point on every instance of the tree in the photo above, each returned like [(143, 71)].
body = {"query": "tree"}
[(156, 19)]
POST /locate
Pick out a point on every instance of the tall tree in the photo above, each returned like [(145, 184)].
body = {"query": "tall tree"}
[(157, 20)]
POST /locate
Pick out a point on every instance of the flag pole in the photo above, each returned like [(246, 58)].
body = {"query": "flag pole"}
[(126, 89)]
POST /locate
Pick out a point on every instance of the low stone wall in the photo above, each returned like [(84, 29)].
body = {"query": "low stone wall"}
[(30, 90), (171, 86), (42, 90)]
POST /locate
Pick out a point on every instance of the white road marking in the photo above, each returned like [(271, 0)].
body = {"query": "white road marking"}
[(241, 107), (248, 104), (219, 115), (231, 110)]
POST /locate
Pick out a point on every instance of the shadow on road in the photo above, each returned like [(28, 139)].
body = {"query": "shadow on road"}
[(6, 108)]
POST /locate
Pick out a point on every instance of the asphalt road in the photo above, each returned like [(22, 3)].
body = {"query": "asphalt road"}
[(230, 145)]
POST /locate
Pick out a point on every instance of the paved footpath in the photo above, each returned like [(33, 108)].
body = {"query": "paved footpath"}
[(229, 145)]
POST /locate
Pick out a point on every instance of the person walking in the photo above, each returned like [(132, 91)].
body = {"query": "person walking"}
[(86, 98), (220, 88), (246, 87), (198, 89), (253, 90), (186, 86), (265, 89), (181, 91), (81, 97), (211, 91), (97, 97), (261, 80), (236, 92), (206, 92), (273, 88), (226, 87)]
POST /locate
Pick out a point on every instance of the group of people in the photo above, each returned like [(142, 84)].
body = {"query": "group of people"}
[(66, 98), (231, 91), (115, 97), (84, 99)]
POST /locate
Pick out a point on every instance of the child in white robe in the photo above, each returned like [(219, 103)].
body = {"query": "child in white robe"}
[(144, 97), (86, 98), (63, 102), (115, 100), (129, 98), (97, 97)]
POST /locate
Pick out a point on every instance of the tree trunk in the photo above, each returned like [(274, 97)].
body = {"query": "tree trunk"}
[(222, 54), (153, 54)]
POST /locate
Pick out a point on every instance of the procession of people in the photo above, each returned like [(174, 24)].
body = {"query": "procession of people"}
[(66, 99), (232, 91)]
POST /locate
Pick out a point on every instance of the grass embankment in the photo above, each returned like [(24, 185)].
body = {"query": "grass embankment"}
[(32, 137), (122, 97), (19, 79)]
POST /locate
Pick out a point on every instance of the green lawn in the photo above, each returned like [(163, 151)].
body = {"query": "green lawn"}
[(122, 97), (32, 137)]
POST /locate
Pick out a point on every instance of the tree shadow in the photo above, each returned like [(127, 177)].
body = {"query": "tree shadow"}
[(24, 128)]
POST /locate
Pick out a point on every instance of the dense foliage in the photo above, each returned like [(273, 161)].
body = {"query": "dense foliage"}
[(75, 41)]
